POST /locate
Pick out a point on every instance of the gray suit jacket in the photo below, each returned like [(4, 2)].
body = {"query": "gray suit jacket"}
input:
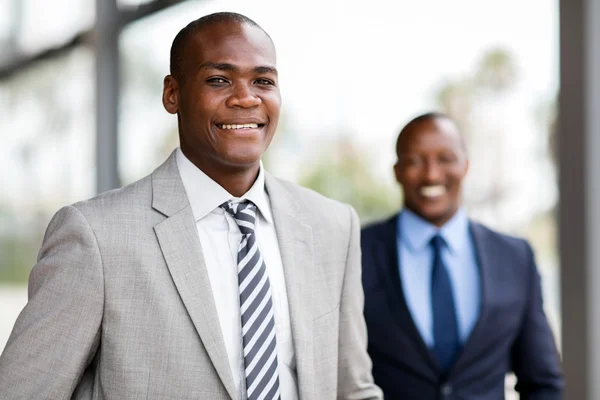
[(120, 304)]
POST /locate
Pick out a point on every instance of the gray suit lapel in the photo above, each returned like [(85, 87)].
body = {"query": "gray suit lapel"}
[(296, 245), (178, 239)]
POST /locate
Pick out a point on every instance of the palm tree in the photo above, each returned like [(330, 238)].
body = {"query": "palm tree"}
[(494, 76)]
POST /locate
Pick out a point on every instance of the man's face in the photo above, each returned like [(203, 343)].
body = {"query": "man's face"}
[(431, 166), (228, 100)]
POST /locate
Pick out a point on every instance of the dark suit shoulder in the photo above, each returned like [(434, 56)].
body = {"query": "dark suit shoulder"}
[(383, 227), (375, 226), (506, 244)]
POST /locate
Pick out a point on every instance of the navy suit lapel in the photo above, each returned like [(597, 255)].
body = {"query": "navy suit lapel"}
[(388, 261), (485, 260)]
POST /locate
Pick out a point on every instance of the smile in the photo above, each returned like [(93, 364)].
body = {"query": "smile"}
[(238, 126), (432, 191)]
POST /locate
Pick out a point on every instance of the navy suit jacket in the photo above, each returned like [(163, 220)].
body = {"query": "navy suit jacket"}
[(511, 334)]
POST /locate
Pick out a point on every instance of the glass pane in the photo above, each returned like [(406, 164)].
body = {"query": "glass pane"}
[(46, 159), (46, 24), (131, 3), (351, 75), (7, 16)]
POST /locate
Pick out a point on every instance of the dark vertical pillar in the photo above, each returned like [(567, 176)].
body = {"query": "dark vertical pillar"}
[(579, 210), (107, 94)]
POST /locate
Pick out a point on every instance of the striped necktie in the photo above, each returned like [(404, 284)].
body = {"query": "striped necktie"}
[(256, 307)]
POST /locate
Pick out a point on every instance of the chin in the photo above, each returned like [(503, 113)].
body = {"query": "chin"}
[(433, 216), (441, 218), (245, 160), (242, 154)]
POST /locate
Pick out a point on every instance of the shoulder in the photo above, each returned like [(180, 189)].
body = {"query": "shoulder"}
[(90, 222), (305, 196), (384, 231), (506, 245), (374, 228), (112, 218), (135, 195), (308, 203), (111, 211)]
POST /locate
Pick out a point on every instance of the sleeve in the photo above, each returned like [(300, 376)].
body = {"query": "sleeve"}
[(536, 362), (57, 334), (355, 380)]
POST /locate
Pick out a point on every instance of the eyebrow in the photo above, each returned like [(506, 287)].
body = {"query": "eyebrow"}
[(261, 69)]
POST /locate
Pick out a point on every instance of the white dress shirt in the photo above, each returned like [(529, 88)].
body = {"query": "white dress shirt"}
[(219, 238)]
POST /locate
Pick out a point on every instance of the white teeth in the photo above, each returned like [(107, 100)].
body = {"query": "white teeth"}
[(433, 191), (243, 126)]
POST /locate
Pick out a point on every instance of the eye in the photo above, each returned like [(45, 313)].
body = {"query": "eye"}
[(446, 158), (216, 81), (412, 161), (265, 82)]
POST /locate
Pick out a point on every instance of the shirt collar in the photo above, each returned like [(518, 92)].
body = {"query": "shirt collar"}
[(455, 232), (205, 195)]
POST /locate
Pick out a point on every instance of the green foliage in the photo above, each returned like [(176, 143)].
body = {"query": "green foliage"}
[(346, 177), (496, 71), (17, 256)]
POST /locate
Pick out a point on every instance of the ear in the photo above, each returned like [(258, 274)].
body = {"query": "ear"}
[(397, 171), (466, 167), (170, 96)]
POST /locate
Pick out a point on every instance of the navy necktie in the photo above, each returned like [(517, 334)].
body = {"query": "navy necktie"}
[(445, 326)]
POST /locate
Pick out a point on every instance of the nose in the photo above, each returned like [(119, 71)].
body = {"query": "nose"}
[(243, 96), (433, 172)]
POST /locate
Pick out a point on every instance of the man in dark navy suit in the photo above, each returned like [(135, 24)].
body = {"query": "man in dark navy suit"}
[(451, 306)]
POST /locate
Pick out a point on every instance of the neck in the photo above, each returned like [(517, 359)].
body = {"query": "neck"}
[(436, 220), (236, 179), (237, 184)]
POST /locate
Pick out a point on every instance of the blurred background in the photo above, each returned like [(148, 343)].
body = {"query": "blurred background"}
[(81, 111)]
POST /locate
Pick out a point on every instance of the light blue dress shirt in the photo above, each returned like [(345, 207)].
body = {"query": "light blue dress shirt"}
[(415, 259)]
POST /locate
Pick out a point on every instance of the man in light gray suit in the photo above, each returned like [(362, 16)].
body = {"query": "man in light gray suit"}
[(208, 279)]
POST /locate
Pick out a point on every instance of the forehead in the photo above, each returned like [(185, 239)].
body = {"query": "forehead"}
[(431, 134), (236, 43)]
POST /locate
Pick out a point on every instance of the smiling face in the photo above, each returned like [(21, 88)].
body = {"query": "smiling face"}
[(227, 99), (431, 166)]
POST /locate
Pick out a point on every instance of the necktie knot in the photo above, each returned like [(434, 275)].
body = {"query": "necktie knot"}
[(437, 242), (244, 214)]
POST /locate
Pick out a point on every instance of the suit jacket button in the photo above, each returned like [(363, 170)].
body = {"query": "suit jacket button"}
[(446, 389)]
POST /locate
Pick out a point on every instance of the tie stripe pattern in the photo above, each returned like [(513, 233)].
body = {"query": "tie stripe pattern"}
[(256, 307)]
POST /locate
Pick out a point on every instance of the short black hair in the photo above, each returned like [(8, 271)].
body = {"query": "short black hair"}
[(428, 116), (181, 39)]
